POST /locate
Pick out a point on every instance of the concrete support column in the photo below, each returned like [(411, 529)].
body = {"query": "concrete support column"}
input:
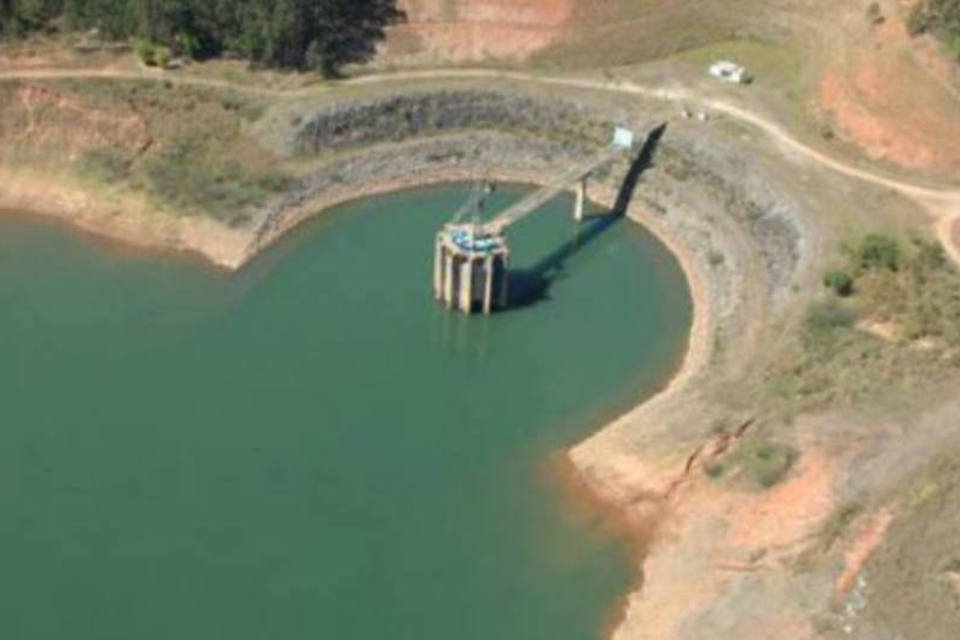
[(581, 196), (448, 279), (438, 269), (504, 282), (466, 285), (488, 286)]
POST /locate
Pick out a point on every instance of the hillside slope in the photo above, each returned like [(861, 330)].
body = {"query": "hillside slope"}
[(471, 30)]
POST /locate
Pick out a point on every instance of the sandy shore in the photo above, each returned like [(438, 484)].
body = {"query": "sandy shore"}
[(121, 216)]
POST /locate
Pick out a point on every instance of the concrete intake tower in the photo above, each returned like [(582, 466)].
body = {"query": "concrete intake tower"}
[(471, 259)]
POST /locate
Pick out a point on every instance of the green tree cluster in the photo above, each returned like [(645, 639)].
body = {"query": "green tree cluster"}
[(304, 34)]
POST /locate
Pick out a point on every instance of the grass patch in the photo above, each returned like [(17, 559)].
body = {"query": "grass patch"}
[(224, 189), (827, 319), (761, 462), (187, 147), (778, 72), (910, 286), (165, 98), (627, 32), (770, 64), (106, 165)]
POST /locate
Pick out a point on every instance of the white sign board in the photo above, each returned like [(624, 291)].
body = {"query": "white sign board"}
[(623, 138)]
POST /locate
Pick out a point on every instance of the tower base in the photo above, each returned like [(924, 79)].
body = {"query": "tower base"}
[(471, 270)]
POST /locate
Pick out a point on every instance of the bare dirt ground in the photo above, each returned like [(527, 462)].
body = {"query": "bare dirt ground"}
[(894, 97), (825, 554), (719, 542), (444, 32)]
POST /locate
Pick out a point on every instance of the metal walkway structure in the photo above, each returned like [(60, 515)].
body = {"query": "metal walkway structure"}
[(575, 176), (472, 258)]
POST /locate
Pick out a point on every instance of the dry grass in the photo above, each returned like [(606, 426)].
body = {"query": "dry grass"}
[(835, 362), (185, 146), (773, 66), (623, 33), (912, 579)]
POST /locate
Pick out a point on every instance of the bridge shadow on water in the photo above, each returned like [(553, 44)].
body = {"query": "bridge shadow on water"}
[(532, 285)]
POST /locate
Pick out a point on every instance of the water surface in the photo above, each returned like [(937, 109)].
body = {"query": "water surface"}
[(311, 448)]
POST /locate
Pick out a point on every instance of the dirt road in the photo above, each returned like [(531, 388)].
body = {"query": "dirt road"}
[(942, 203)]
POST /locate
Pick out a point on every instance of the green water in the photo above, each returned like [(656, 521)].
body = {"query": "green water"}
[(311, 448)]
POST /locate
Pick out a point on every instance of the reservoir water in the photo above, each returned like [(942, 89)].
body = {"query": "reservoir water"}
[(311, 448)]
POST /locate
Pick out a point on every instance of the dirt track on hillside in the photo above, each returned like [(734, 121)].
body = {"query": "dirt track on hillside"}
[(942, 203)]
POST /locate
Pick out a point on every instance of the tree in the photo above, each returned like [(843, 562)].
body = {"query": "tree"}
[(302, 34)]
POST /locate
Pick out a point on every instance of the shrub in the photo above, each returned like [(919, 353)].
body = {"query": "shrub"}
[(767, 463), (927, 257), (938, 17), (714, 470), (954, 44), (145, 51), (761, 462), (828, 316), (108, 165), (878, 252), (161, 57), (152, 55), (275, 182), (839, 281), (918, 21), (189, 44)]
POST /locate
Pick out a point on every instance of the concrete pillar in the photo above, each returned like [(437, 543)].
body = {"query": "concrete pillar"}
[(448, 278), (488, 286), (504, 282), (581, 197), (466, 285), (438, 269)]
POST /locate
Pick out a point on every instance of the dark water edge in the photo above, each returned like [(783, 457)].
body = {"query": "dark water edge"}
[(311, 448)]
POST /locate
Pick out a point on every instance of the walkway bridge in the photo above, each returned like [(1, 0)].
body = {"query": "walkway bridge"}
[(472, 258), (577, 176)]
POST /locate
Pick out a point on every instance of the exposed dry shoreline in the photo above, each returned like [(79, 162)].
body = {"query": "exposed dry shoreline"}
[(121, 216)]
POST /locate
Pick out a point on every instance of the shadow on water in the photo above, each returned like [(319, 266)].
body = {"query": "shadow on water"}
[(532, 285)]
